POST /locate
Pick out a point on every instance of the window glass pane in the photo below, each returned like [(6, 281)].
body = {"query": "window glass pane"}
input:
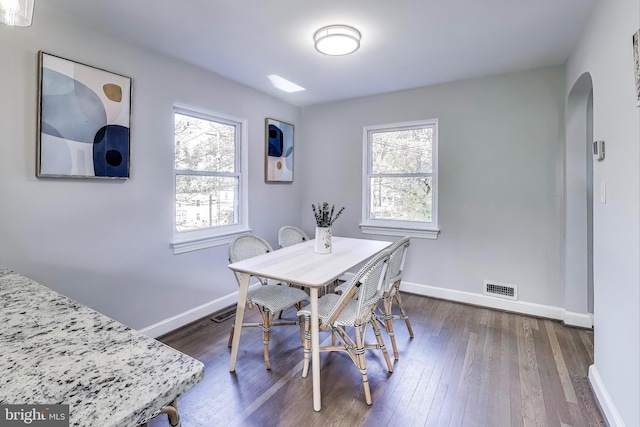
[(205, 201), (402, 199), (204, 145), (402, 151)]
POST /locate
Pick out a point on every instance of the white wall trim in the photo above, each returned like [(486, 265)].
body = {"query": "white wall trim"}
[(179, 320), (582, 320), (396, 231), (521, 307), (197, 243), (558, 313), (608, 408), (174, 322)]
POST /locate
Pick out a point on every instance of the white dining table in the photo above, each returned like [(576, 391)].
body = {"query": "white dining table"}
[(300, 265)]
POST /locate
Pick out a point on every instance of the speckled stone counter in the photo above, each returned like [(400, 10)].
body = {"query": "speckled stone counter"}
[(56, 350)]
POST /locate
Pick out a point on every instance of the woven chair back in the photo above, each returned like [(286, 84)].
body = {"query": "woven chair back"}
[(368, 282), (247, 246), (290, 235), (396, 261)]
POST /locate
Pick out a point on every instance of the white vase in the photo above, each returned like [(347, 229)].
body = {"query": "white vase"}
[(323, 240)]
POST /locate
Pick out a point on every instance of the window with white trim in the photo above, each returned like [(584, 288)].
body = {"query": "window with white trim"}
[(400, 179), (210, 188)]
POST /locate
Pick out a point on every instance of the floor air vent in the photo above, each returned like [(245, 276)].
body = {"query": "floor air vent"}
[(501, 290), (225, 314)]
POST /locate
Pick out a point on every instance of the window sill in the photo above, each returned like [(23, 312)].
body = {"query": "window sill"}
[(400, 231), (196, 243)]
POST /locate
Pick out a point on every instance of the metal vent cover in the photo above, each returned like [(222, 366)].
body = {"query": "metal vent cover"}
[(501, 290), (224, 314)]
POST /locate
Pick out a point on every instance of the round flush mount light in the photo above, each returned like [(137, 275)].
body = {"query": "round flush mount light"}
[(337, 40)]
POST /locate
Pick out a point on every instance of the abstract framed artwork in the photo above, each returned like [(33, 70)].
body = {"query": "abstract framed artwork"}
[(84, 119), (279, 158)]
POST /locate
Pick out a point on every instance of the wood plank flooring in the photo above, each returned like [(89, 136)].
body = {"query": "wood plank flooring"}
[(466, 366)]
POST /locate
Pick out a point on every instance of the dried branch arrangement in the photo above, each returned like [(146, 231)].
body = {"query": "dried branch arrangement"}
[(324, 215)]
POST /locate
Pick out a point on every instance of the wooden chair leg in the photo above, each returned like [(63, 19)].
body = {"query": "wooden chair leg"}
[(404, 313), (233, 327), (266, 335), (376, 332), (307, 345), (388, 321), (362, 363)]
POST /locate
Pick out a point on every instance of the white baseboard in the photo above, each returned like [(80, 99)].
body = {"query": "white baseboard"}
[(578, 319), (608, 408), (522, 307), (172, 323)]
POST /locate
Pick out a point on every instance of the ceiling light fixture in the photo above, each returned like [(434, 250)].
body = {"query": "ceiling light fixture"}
[(17, 13), (284, 84), (337, 40)]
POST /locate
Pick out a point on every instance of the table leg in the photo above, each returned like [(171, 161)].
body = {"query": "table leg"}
[(242, 301), (315, 350)]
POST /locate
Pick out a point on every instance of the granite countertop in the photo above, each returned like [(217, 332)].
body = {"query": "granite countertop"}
[(56, 350)]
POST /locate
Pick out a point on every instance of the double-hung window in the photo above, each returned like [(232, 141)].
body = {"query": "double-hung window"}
[(400, 179), (209, 179)]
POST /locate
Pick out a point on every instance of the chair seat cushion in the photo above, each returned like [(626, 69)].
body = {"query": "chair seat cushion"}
[(326, 303), (341, 287), (276, 297)]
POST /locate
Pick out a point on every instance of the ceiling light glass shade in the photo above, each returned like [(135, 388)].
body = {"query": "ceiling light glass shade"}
[(17, 13), (337, 40)]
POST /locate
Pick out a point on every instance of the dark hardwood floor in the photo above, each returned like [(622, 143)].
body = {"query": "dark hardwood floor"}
[(466, 366)]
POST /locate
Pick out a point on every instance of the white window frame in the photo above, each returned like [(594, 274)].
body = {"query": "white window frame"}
[(396, 227), (186, 241)]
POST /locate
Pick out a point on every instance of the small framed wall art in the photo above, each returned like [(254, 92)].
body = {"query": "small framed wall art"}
[(84, 119), (279, 156)]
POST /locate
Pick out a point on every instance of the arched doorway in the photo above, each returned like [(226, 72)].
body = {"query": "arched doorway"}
[(579, 191)]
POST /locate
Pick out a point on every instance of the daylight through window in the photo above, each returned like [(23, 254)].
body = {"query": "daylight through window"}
[(207, 171), (400, 179)]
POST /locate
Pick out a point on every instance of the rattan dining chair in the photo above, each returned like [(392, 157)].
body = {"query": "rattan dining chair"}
[(354, 308), (269, 299), (290, 235), (391, 292)]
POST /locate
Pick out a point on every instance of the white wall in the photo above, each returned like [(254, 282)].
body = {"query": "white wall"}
[(500, 178), (606, 53), (106, 244)]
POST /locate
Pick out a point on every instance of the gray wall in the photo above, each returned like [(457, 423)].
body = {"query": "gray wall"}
[(500, 148), (106, 244), (605, 52)]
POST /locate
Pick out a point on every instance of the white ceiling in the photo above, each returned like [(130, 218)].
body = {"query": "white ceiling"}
[(405, 43)]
